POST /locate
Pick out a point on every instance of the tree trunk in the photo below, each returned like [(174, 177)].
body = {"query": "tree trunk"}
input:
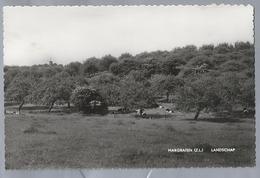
[(197, 114), (51, 106), (167, 96), (68, 104), (20, 106), (230, 109)]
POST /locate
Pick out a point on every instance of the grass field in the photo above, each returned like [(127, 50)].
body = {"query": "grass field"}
[(59, 140)]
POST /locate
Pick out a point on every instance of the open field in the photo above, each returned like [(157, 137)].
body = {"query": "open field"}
[(59, 140)]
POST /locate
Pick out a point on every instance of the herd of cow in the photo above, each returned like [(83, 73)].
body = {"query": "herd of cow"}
[(140, 112)]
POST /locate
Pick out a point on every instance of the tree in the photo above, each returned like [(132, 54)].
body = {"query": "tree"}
[(138, 75), (51, 70), (135, 95), (229, 89), (125, 56), (106, 61), (115, 68), (170, 66), (9, 75), (18, 90), (108, 86), (201, 60), (88, 100), (248, 93), (233, 66), (218, 59), (206, 50), (124, 67), (165, 84), (198, 94), (49, 91), (90, 66), (243, 45), (73, 68), (223, 48), (153, 66)]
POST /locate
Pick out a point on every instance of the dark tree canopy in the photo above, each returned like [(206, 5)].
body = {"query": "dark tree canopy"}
[(73, 68), (90, 66), (106, 61), (170, 66), (125, 56)]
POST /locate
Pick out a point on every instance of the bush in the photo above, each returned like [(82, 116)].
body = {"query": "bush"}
[(88, 100)]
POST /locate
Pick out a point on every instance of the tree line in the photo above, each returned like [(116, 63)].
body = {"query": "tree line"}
[(193, 79)]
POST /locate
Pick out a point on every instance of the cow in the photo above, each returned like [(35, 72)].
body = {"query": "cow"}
[(11, 112), (169, 110), (140, 112), (245, 111), (123, 110)]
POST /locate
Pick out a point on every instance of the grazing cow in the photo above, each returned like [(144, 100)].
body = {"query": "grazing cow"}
[(123, 110), (161, 107), (11, 112), (144, 115), (140, 112), (245, 111), (169, 110)]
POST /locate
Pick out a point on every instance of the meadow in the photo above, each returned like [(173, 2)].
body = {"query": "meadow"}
[(74, 140)]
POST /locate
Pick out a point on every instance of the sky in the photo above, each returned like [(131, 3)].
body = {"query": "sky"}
[(35, 35)]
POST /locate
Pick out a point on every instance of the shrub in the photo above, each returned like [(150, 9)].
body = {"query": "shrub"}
[(88, 100)]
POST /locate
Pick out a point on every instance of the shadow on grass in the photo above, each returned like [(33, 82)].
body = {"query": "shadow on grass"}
[(226, 117), (154, 116), (34, 130), (236, 114), (58, 111), (32, 108), (217, 120)]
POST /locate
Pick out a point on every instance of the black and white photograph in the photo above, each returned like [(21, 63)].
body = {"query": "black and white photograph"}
[(129, 86)]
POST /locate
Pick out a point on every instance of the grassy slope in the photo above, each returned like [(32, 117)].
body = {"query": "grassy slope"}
[(76, 141)]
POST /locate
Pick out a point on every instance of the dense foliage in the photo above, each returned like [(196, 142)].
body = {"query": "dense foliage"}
[(88, 100), (192, 78)]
